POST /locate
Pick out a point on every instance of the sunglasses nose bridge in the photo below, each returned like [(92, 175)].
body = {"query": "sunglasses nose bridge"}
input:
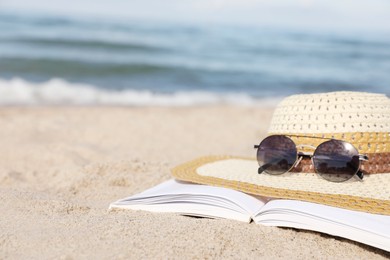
[(302, 155), (298, 161)]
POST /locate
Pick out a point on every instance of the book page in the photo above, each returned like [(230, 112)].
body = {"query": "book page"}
[(371, 229), (194, 199)]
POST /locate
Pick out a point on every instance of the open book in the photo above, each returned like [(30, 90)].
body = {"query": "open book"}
[(216, 202)]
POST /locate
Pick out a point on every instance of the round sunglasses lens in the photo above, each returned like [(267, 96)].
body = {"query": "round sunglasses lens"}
[(276, 154), (336, 160)]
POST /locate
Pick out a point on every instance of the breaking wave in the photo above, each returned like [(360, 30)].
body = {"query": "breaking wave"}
[(60, 92)]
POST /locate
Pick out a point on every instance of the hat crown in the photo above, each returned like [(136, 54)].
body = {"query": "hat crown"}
[(362, 119), (333, 112)]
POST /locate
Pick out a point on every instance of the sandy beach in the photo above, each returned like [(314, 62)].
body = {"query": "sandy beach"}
[(60, 167)]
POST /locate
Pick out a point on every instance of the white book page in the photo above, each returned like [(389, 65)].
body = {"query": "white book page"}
[(371, 229), (194, 199)]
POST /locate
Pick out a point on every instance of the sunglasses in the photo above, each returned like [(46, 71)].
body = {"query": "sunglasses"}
[(334, 160)]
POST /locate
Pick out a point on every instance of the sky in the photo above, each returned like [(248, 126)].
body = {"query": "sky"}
[(321, 14)]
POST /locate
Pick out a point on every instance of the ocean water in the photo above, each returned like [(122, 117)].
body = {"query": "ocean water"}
[(68, 60)]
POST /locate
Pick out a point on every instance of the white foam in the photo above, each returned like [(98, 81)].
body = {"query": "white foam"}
[(59, 92)]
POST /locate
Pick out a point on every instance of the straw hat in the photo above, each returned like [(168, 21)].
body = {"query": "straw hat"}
[(362, 119)]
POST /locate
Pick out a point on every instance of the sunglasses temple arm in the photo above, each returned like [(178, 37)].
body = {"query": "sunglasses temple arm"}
[(266, 166), (360, 175), (263, 168)]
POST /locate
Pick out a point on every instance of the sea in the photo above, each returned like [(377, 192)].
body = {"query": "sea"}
[(65, 60)]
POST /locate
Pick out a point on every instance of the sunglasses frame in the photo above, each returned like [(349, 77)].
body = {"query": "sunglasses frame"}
[(301, 155)]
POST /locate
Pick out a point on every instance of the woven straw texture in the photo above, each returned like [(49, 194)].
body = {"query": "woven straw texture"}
[(372, 195), (362, 119), (334, 112)]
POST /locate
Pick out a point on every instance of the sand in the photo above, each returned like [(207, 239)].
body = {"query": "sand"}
[(60, 167)]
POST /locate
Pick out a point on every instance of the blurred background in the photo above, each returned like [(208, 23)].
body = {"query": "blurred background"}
[(189, 52)]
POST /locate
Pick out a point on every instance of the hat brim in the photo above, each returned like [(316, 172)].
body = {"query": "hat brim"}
[(370, 195)]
